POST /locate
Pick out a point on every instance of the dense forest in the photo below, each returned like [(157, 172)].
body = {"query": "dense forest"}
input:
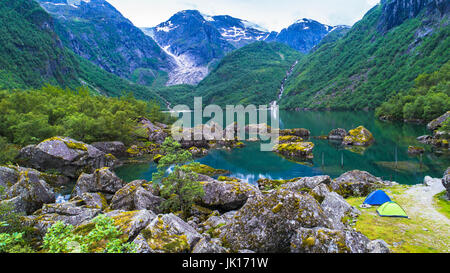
[(365, 67), (428, 99)]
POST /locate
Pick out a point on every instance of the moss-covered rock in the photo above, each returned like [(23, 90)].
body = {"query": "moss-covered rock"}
[(137, 195), (206, 170), (300, 132), (413, 150), (267, 222), (66, 156), (359, 137), (167, 234), (357, 183), (101, 181), (289, 139), (295, 150)]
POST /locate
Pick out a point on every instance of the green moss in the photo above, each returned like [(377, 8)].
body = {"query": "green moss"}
[(277, 208), (206, 170), (442, 204)]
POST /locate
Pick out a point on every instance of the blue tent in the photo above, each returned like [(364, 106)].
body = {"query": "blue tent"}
[(377, 198)]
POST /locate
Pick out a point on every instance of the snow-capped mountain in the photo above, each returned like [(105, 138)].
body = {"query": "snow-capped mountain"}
[(193, 41), (238, 32), (303, 35)]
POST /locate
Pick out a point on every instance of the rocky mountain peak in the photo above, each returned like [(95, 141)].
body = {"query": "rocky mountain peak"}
[(395, 12)]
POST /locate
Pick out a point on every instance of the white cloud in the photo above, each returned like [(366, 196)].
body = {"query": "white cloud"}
[(271, 14)]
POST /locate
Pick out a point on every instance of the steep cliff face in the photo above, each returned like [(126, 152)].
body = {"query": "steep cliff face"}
[(96, 31), (303, 35), (395, 12)]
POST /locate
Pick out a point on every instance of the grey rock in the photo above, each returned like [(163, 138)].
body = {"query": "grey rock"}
[(32, 191), (137, 195), (267, 222), (132, 223), (437, 123), (94, 200), (70, 213), (323, 240), (378, 247), (101, 181), (357, 183), (207, 245), (308, 182), (167, 234), (227, 196), (337, 134), (8, 177), (446, 182), (155, 134), (336, 208), (67, 156), (115, 148)]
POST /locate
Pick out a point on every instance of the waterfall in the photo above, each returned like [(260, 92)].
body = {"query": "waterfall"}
[(283, 83)]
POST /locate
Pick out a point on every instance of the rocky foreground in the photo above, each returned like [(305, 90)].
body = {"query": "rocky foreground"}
[(304, 215)]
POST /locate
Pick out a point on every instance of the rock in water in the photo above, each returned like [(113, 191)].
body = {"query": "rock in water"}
[(359, 137), (67, 156), (295, 150), (337, 134)]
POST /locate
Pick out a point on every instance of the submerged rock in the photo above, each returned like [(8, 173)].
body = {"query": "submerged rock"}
[(65, 155), (413, 151), (359, 137)]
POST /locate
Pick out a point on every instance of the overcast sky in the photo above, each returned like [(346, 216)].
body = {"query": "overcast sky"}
[(270, 14)]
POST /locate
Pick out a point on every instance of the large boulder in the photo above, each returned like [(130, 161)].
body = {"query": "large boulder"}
[(131, 223), (155, 133), (437, 123), (357, 183), (446, 182), (101, 181), (167, 234), (67, 156), (29, 193), (208, 245), (338, 210), (71, 213), (299, 132), (8, 177), (115, 148), (359, 137), (337, 134), (323, 240), (226, 195), (267, 222), (137, 195)]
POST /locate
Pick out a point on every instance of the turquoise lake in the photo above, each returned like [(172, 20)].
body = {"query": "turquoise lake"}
[(387, 157)]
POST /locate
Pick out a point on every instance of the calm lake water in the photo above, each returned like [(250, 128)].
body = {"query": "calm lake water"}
[(387, 157)]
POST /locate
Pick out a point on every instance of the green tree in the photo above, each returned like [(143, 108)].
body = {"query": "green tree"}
[(180, 188)]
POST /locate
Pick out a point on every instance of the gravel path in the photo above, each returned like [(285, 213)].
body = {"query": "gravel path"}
[(421, 204)]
